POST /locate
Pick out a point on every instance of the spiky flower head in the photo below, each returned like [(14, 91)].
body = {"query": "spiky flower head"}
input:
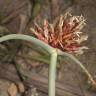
[(64, 34)]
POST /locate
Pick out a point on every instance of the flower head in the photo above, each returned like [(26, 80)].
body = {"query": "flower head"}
[(63, 34)]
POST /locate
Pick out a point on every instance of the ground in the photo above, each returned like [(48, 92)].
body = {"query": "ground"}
[(70, 73)]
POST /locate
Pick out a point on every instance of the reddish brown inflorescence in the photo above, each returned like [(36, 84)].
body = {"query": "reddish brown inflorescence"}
[(63, 34)]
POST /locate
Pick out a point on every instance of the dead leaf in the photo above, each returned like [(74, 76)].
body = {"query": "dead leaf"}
[(21, 87), (12, 90)]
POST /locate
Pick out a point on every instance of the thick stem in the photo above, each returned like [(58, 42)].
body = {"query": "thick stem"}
[(52, 73), (27, 38), (80, 64)]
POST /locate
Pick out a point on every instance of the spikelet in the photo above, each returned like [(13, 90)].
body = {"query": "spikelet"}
[(64, 34)]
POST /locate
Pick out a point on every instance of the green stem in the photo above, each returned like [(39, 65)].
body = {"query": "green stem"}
[(19, 71), (52, 69), (36, 58), (27, 38), (37, 49), (79, 64), (52, 74)]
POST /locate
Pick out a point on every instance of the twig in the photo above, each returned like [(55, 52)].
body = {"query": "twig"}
[(37, 58)]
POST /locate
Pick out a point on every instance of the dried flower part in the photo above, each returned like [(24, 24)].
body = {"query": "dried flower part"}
[(64, 34)]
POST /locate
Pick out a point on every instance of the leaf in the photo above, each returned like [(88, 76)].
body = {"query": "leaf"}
[(21, 87), (12, 90)]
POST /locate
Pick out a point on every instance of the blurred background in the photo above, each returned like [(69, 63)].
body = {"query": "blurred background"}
[(17, 16)]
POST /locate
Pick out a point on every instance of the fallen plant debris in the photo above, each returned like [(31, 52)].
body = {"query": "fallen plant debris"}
[(12, 90), (39, 81)]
